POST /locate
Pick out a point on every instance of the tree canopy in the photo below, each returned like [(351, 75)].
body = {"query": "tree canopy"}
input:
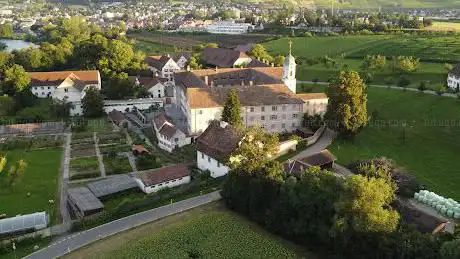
[(232, 110), (93, 103), (347, 106)]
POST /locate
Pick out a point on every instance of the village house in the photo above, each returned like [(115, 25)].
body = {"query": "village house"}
[(154, 85), (224, 58), (119, 119), (163, 66), (68, 85), (167, 177), (324, 160), (182, 59), (168, 135), (453, 78), (215, 146)]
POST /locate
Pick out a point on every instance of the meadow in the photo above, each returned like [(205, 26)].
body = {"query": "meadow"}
[(418, 131), (348, 51), (38, 185)]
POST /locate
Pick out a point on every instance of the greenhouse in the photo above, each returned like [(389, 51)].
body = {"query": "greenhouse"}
[(23, 224)]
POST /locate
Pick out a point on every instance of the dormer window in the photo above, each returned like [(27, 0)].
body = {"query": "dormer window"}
[(66, 90)]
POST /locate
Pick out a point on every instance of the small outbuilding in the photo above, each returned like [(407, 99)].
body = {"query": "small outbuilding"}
[(324, 159), (167, 177), (112, 185), (119, 119), (83, 202)]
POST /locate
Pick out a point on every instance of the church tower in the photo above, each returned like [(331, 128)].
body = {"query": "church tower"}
[(289, 68)]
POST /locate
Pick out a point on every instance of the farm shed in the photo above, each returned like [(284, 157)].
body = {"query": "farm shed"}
[(23, 224), (112, 185), (166, 177), (83, 202)]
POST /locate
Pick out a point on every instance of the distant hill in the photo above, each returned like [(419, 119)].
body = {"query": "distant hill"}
[(362, 4)]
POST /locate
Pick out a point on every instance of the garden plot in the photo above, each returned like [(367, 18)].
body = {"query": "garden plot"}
[(83, 150), (118, 148), (117, 164), (111, 138), (84, 168)]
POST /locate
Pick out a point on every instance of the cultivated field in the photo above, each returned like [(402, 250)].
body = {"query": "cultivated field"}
[(209, 231), (418, 131), (37, 186), (444, 26)]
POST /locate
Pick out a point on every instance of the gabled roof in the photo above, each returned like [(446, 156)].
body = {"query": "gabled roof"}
[(56, 78), (247, 95), (164, 174), (178, 55), (149, 82), (219, 140), (319, 159), (165, 125), (257, 63), (455, 71), (157, 62), (221, 57), (116, 116)]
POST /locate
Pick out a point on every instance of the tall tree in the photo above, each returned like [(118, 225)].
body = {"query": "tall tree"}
[(93, 103), (259, 51), (347, 107), (16, 79), (364, 206), (232, 109)]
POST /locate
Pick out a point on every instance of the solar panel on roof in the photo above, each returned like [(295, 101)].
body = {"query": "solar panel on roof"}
[(35, 221)]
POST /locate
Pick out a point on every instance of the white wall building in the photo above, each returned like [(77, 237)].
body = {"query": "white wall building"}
[(289, 71), (164, 66), (229, 27), (167, 177), (168, 135)]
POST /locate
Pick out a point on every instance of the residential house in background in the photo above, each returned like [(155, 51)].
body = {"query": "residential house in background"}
[(229, 27), (166, 177), (168, 135), (453, 78), (224, 58), (182, 59), (154, 85), (68, 85), (162, 66), (119, 119), (215, 146)]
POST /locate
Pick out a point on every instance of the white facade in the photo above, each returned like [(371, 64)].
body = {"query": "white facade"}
[(159, 186), (168, 70), (182, 62), (157, 91), (229, 27), (272, 118), (315, 106), (179, 139), (453, 82), (289, 73), (206, 162), (123, 105)]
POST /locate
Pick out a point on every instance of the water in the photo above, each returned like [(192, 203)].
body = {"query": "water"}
[(16, 44)]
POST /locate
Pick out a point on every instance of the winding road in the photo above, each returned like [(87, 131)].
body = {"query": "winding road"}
[(72, 242)]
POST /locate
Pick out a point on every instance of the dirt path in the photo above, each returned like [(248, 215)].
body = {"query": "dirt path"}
[(65, 216), (99, 156)]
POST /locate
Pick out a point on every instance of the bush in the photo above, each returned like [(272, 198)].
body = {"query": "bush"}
[(308, 34), (440, 89), (146, 161), (403, 82), (422, 86)]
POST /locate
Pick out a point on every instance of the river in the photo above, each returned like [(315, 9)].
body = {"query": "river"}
[(16, 44)]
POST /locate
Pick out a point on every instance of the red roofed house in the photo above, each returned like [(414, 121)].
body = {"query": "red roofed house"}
[(168, 135), (64, 84), (166, 177)]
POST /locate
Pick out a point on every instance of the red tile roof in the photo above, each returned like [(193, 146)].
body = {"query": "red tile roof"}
[(164, 174), (56, 78)]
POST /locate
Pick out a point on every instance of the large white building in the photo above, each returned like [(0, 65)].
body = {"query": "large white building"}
[(164, 66), (229, 27), (65, 85), (453, 78)]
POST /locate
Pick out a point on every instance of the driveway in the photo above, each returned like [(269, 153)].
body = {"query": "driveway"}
[(323, 142), (74, 241)]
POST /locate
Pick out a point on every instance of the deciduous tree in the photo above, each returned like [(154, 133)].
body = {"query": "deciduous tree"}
[(232, 109), (347, 107), (93, 103), (16, 78)]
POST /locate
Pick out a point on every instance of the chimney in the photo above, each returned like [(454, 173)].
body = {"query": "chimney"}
[(206, 80), (251, 83), (188, 68)]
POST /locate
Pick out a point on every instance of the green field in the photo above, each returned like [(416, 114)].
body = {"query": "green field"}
[(40, 180), (348, 51), (418, 131), (217, 234)]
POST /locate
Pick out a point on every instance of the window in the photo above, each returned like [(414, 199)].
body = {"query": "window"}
[(274, 108), (209, 159), (176, 139), (273, 117), (251, 109), (295, 115), (200, 112), (202, 155), (272, 126), (66, 90), (262, 109), (283, 125), (160, 184), (159, 91), (262, 126), (48, 87), (262, 118), (218, 164)]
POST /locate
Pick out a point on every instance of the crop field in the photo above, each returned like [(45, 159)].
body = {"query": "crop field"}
[(209, 231), (188, 41), (117, 165), (444, 26), (418, 131), (39, 184), (84, 167)]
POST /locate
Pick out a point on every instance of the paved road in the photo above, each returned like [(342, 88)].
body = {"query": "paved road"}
[(323, 142), (78, 240), (430, 92)]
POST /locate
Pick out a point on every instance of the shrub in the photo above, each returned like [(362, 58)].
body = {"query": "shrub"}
[(403, 82), (440, 89), (422, 86), (308, 34)]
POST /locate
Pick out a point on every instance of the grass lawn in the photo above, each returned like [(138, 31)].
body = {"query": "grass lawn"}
[(209, 231), (25, 248), (418, 131), (117, 165), (40, 180)]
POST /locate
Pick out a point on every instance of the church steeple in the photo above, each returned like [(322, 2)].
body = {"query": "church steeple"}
[(289, 70)]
